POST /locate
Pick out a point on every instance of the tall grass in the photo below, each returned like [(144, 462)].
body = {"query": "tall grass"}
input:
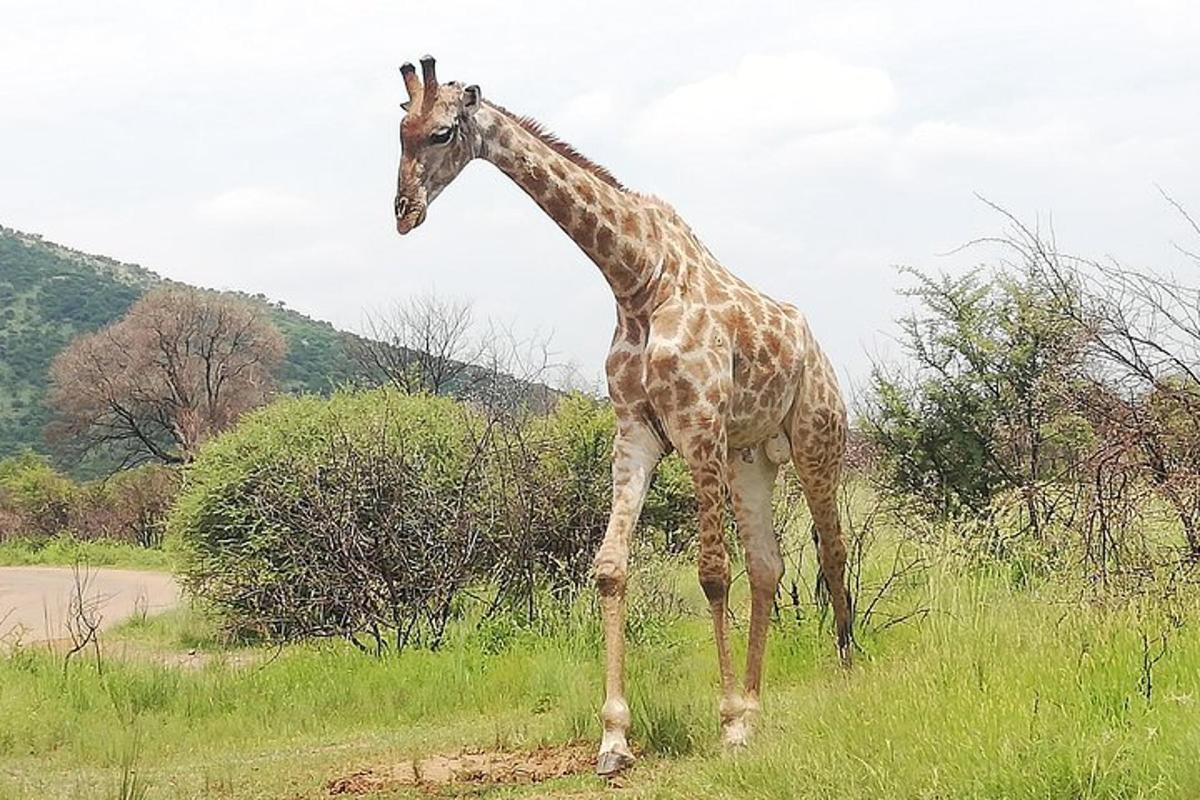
[(996, 694)]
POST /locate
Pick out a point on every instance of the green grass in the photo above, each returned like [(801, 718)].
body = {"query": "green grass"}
[(186, 628), (998, 692), (66, 551)]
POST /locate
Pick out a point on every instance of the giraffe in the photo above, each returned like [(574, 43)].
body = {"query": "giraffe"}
[(701, 363)]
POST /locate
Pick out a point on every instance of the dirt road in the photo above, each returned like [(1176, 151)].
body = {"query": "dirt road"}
[(36, 602)]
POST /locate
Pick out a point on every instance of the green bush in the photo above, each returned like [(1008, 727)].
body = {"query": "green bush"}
[(576, 473), (670, 512), (367, 515), (35, 500), (552, 473), (130, 506), (985, 403), (358, 516), (37, 503)]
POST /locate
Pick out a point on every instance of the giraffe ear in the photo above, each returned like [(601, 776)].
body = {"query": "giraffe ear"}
[(471, 98)]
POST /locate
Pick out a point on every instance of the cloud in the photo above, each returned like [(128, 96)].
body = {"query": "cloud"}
[(256, 207), (589, 110), (1170, 19), (790, 94), (941, 138), (838, 149), (950, 147)]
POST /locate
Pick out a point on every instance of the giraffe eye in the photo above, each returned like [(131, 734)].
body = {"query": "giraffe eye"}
[(442, 136)]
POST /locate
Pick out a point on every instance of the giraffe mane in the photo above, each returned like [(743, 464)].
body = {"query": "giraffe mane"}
[(562, 148)]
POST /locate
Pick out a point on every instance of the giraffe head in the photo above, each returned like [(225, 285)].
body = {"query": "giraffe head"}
[(438, 136)]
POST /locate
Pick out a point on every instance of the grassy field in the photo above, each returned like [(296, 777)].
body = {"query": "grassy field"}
[(67, 551), (996, 692)]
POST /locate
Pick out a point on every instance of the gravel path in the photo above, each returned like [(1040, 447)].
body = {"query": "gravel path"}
[(36, 602)]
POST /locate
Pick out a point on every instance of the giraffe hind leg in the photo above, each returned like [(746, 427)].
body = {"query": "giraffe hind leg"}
[(818, 446), (823, 597), (752, 479), (831, 588)]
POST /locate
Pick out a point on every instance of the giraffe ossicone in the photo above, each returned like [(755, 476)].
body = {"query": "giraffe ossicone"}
[(700, 363)]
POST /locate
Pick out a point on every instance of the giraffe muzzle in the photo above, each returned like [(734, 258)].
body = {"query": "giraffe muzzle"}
[(408, 215)]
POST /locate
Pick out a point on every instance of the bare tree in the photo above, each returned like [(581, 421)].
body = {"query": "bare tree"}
[(433, 345), (1143, 363), (182, 365), (512, 375), (424, 344)]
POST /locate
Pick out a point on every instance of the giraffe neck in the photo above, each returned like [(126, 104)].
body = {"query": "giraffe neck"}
[(618, 230)]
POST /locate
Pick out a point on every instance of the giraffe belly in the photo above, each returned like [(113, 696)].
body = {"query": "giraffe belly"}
[(749, 430), (758, 416), (751, 435)]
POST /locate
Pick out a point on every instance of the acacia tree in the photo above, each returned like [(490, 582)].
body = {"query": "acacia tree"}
[(180, 366), (981, 406), (1053, 374)]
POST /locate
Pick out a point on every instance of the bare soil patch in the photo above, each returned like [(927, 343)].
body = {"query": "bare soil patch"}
[(478, 768), (183, 659)]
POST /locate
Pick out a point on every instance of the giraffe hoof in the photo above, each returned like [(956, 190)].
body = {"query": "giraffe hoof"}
[(735, 736), (737, 728), (612, 763)]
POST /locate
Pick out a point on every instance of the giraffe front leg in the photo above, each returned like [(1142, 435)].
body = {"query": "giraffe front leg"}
[(636, 451), (818, 449)]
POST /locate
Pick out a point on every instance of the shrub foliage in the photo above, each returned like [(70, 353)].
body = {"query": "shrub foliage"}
[(37, 502), (1052, 396), (372, 515)]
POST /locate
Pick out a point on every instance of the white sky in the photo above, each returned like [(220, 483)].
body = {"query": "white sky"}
[(813, 146)]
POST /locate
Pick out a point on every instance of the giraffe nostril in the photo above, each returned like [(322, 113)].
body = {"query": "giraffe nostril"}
[(401, 206)]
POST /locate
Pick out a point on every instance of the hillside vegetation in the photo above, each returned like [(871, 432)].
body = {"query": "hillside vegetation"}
[(50, 293)]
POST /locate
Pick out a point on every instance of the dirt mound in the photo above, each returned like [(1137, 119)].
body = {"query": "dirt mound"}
[(470, 768)]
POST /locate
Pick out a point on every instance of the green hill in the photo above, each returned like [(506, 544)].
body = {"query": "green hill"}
[(49, 294)]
